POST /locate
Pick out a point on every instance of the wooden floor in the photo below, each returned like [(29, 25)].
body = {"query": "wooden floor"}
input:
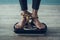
[(10, 14)]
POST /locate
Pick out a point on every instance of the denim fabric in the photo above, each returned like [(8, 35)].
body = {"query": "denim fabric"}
[(35, 4)]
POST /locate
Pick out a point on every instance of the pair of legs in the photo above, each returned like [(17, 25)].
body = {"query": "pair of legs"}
[(35, 7)]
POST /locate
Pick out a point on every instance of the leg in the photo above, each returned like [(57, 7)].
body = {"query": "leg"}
[(35, 7), (23, 4)]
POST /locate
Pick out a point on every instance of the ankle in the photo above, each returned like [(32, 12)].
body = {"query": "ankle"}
[(34, 16), (34, 13)]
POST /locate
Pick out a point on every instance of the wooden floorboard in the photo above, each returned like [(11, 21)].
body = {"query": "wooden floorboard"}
[(10, 14)]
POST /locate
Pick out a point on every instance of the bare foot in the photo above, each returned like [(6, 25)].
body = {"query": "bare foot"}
[(36, 21), (38, 24), (23, 20), (21, 23)]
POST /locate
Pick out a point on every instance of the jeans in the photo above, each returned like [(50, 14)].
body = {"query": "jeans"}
[(35, 4)]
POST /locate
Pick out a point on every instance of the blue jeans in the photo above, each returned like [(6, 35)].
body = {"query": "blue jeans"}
[(35, 4)]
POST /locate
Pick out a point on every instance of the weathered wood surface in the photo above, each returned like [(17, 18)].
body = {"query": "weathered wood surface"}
[(10, 14)]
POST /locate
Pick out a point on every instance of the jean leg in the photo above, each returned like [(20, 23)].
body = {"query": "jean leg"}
[(23, 4), (35, 4)]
